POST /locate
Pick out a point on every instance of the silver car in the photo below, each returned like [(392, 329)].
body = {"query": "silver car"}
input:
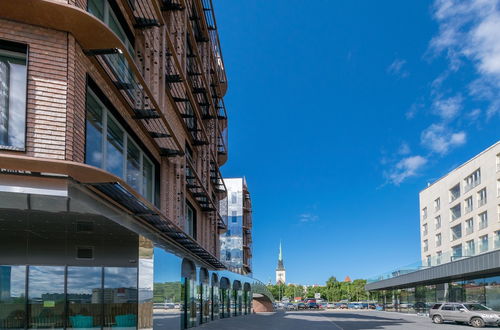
[(474, 314)]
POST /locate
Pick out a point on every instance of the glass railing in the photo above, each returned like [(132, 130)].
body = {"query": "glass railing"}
[(472, 185), (482, 202)]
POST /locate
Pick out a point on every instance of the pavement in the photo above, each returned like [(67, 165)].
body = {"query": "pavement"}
[(334, 319)]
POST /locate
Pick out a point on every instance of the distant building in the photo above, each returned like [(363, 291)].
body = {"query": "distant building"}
[(236, 242), (347, 279), (460, 242), (280, 270)]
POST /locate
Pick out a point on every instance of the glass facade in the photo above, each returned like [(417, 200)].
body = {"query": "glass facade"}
[(232, 240), (419, 299)]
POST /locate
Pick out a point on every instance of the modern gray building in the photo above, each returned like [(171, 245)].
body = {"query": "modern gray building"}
[(236, 242), (460, 242)]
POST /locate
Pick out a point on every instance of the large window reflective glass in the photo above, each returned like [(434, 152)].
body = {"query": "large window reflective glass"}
[(133, 165), (46, 298), (474, 291), (12, 297), (114, 148), (120, 297), (93, 145), (492, 292), (84, 292), (457, 292), (167, 293), (12, 97)]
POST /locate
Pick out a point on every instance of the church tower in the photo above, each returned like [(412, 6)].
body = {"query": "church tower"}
[(280, 270)]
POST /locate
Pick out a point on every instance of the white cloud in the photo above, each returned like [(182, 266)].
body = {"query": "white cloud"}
[(406, 168), (469, 30), (308, 217), (397, 68), (448, 108), (404, 149), (440, 139)]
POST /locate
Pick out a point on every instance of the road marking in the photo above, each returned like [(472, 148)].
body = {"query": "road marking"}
[(335, 324)]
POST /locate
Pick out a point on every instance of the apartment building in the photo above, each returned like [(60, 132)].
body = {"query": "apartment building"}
[(460, 242), (460, 212), (236, 242), (113, 130)]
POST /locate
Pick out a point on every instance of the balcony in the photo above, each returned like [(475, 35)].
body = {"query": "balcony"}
[(196, 188), (222, 147), (472, 185), (218, 61), (482, 202), (468, 209)]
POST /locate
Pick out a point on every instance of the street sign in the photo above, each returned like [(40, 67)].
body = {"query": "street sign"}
[(317, 295)]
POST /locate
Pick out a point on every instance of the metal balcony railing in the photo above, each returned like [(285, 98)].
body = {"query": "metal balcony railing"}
[(471, 185), (208, 10)]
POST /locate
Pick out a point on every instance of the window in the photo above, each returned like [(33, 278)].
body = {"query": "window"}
[(108, 146), (438, 221), (456, 232), (104, 11), (483, 220), (190, 226), (481, 197), (483, 243), (234, 198), (12, 297), (448, 307), (472, 180), (469, 226), (470, 249), (234, 216), (438, 239), (424, 229), (439, 256), (46, 295), (468, 205), (437, 204), (13, 84), (497, 239), (456, 212), (428, 261), (424, 213), (456, 252), (426, 245), (455, 192)]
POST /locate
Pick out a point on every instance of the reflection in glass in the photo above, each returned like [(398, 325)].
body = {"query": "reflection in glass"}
[(133, 165), (12, 297), (84, 290), (46, 297), (12, 98), (492, 292), (114, 148), (120, 297), (93, 145), (474, 291)]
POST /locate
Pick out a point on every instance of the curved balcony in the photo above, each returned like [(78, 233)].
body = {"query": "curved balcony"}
[(110, 52)]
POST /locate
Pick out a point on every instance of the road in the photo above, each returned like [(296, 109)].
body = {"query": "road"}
[(334, 320)]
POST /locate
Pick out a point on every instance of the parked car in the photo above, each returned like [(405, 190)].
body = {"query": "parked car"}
[(342, 306), (330, 305), (474, 314), (312, 305), (301, 306), (290, 307)]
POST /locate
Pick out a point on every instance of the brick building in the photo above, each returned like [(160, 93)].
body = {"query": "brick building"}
[(112, 132)]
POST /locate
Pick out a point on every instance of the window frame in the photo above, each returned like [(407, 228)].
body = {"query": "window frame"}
[(106, 114), (12, 46)]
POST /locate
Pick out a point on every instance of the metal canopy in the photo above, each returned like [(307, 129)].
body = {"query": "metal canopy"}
[(122, 196)]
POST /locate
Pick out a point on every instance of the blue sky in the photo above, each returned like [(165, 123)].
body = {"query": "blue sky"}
[(342, 111)]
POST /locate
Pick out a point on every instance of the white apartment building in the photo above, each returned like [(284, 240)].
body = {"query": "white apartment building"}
[(460, 213)]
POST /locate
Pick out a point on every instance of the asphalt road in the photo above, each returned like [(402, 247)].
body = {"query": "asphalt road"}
[(336, 320)]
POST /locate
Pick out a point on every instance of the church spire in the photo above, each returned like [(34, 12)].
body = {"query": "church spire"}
[(280, 270), (280, 256)]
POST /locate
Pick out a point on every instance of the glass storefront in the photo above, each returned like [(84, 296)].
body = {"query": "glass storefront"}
[(419, 299)]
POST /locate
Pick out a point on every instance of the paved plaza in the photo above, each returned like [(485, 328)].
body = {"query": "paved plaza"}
[(340, 320)]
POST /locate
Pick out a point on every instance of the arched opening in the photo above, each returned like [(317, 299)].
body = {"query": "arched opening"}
[(214, 296), (225, 297), (188, 274), (247, 298), (237, 298), (204, 296)]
